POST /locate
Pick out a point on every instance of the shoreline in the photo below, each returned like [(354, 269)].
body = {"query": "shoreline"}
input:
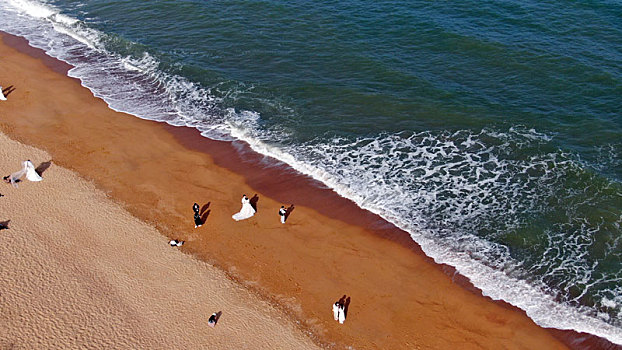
[(240, 157), (317, 203), (87, 274)]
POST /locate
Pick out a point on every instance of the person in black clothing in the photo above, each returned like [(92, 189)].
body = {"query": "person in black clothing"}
[(197, 216), (214, 319)]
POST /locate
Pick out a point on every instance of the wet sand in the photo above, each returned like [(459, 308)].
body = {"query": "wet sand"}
[(80, 272), (399, 298)]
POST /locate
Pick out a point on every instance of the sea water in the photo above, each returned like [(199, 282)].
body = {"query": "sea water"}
[(491, 131)]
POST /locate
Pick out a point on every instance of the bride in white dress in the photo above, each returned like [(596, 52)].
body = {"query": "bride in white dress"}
[(28, 169), (246, 212)]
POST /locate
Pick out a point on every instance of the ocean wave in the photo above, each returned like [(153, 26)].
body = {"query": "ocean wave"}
[(467, 197)]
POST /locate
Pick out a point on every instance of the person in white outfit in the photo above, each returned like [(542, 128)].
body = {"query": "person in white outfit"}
[(342, 314), (336, 310), (246, 212), (28, 169), (282, 213), (5, 92)]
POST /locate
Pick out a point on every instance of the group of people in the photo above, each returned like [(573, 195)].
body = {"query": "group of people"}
[(28, 170)]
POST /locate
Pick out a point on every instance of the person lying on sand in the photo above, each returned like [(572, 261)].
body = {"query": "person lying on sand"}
[(176, 243), (28, 169)]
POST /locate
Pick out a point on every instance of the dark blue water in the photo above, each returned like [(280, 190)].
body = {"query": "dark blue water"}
[(491, 131)]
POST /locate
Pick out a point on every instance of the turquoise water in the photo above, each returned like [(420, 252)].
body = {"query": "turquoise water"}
[(491, 131)]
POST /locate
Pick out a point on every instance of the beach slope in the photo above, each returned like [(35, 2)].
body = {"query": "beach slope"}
[(79, 272), (400, 299)]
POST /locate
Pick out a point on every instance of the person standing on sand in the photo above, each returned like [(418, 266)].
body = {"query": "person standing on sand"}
[(342, 313), (282, 213), (246, 212), (197, 216), (213, 319), (336, 308), (5, 92)]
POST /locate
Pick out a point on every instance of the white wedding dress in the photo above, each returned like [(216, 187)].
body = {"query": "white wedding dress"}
[(28, 169), (342, 314), (246, 212)]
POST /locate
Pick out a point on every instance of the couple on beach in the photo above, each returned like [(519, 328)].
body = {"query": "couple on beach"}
[(248, 210), (340, 309)]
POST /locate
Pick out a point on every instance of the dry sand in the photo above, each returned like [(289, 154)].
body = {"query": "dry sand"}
[(400, 299), (78, 271)]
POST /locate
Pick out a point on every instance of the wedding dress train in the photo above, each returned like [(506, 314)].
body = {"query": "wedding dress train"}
[(246, 212), (28, 169)]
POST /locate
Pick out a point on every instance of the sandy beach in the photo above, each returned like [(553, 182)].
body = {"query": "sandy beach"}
[(86, 259), (79, 272)]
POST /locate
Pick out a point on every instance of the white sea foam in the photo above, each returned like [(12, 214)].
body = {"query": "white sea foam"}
[(440, 187)]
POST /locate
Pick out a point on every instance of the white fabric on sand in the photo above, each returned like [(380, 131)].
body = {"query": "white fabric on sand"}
[(28, 169), (246, 212), (342, 315)]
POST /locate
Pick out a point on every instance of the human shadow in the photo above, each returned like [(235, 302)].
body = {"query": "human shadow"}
[(204, 216), (7, 90), (204, 208), (253, 201), (213, 320), (4, 225), (346, 305), (289, 211), (43, 167)]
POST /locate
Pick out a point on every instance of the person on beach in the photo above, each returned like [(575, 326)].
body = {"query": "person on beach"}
[(197, 216), (246, 212), (282, 213), (339, 309), (5, 92), (176, 243), (336, 308), (28, 169), (212, 320), (342, 314)]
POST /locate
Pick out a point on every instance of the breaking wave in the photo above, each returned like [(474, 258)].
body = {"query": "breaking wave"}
[(506, 208)]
